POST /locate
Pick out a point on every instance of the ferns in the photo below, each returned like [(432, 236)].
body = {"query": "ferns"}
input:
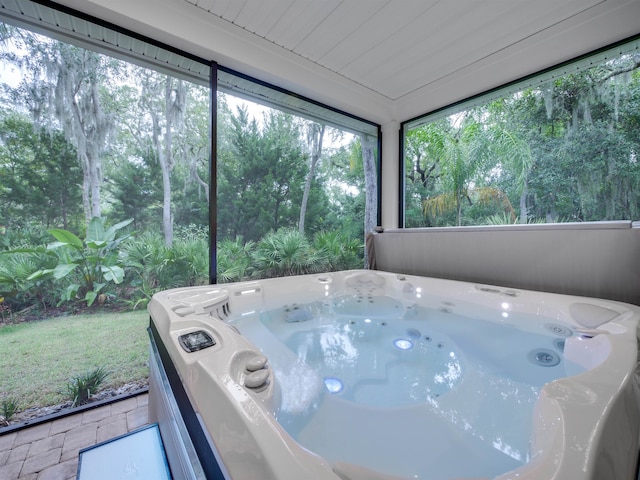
[(286, 252), (150, 266)]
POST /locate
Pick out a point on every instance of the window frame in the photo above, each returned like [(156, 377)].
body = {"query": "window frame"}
[(574, 65)]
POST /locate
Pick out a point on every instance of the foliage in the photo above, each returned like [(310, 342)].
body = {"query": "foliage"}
[(286, 252), (20, 286), (148, 265), (8, 408), (341, 252), (139, 148), (19, 259), (261, 178), (505, 219), (6, 314), (60, 85), (234, 260), (567, 149), (80, 387), (92, 264), (17, 236), (153, 266), (134, 188), (36, 168), (480, 196)]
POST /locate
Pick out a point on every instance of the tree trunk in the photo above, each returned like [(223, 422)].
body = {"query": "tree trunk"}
[(315, 136), (523, 204), (95, 179), (370, 185), (86, 124), (172, 110), (166, 164), (86, 195)]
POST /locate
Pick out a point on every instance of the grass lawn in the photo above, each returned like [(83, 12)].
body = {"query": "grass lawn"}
[(37, 359)]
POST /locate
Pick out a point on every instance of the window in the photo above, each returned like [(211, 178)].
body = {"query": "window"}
[(108, 191), (297, 182), (104, 156), (561, 146)]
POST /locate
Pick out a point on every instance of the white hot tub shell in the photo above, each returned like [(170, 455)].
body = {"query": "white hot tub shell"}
[(217, 405)]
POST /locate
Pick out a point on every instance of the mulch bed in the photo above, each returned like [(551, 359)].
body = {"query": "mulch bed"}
[(33, 413)]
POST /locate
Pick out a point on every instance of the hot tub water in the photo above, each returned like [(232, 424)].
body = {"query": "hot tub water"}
[(408, 390)]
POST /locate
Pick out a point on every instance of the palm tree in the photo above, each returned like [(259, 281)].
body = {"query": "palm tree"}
[(474, 146), (460, 151), (286, 252), (509, 147)]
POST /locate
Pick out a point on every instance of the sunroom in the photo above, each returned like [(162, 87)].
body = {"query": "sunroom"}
[(386, 147)]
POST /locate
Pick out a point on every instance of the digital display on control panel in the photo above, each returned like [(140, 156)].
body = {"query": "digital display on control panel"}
[(195, 341)]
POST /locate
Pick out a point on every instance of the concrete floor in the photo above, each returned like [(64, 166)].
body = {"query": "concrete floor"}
[(49, 450)]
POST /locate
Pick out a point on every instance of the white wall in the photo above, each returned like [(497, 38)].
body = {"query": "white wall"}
[(390, 174), (593, 259)]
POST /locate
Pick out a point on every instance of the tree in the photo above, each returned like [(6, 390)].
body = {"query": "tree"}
[(135, 187), (584, 145), (261, 178), (506, 145), (195, 148), (461, 150), (315, 134), (371, 183), (163, 99), (423, 156), (37, 168), (564, 150), (63, 82)]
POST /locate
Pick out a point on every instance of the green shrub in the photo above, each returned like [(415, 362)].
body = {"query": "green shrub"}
[(81, 387), (8, 408), (190, 260), (234, 260), (23, 236), (89, 265), (153, 266), (18, 286), (342, 253), (287, 252)]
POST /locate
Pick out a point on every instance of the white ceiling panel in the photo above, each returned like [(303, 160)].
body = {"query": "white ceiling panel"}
[(407, 46), (229, 10), (377, 32), (267, 18), (394, 47), (298, 21), (335, 30)]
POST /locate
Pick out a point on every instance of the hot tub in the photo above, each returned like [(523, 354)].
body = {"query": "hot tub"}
[(372, 375)]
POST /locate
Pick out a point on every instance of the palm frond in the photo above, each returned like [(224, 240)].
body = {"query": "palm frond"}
[(439, 204)]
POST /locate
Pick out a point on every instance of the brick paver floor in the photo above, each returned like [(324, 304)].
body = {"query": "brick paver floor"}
[(49, 451)]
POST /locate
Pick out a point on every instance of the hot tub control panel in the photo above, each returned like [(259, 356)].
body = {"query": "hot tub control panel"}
[(194, 341)]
